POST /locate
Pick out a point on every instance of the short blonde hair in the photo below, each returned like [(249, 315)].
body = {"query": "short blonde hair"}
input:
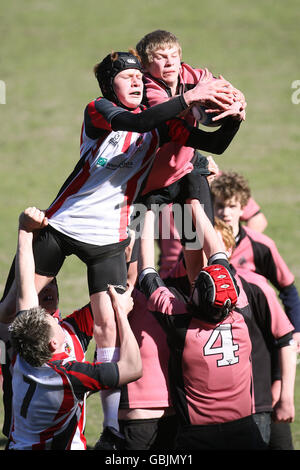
[(155, 40)]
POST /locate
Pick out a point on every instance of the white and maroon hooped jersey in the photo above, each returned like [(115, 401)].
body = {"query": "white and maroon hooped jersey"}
[(95, 202), (52, 398), (49, 401)]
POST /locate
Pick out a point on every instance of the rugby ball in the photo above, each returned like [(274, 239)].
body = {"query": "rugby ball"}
[(203, 118)]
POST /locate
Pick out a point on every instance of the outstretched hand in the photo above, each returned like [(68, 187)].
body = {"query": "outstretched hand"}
[(214, 93), (32, 219), (236, 111), (238, 95)]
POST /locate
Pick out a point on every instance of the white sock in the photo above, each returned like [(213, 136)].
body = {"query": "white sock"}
[(110, 399)]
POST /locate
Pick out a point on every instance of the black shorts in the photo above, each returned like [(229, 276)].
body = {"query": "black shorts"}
[(149, 434), (105, 264), (240, 434), (178, 192), (193, 185)]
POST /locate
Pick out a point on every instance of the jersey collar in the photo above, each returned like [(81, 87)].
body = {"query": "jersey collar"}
[(240, 236), (59, 356), (164, 85)]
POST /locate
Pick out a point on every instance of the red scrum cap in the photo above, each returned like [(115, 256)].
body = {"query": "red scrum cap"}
[(214, 294)]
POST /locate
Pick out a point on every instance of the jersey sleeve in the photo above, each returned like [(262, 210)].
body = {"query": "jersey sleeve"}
[(148, 119), (98, 116), (269, 315), (86, 376), (164, 301), (268, 260), (160, 298), (280, 323), (179, 131), (250, 210), (290, 298)]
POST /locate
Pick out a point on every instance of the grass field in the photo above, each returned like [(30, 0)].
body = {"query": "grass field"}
[(47, 53)]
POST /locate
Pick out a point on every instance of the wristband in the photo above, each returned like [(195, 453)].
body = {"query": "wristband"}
[(215, 258)]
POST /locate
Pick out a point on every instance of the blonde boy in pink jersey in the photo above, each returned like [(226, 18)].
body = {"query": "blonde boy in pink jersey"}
[(165, 77)]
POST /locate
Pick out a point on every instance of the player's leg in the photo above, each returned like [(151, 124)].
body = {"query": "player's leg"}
[(10, 280), (200, 239), (8, 304), (106, 338), (108, 270), (49, 256)]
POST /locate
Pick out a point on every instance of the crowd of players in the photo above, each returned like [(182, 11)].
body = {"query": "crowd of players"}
[(197, 354)]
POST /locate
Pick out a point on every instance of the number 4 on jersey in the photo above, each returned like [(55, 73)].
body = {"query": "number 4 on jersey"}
[(227, 347)]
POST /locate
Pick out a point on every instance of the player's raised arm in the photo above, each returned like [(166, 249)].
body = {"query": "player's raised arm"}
[(211, 93), (130, 363), (147, 250), (31, 219)]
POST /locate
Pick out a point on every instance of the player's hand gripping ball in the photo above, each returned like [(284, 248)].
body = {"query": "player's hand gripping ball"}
[(203, 118)]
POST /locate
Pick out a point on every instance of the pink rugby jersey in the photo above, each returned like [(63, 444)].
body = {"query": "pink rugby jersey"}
[(250, 210), (152, 389), (275, 317), (210, 365), (174, 160), (49, 401), (257, 252), (269, 329), (268, 325)]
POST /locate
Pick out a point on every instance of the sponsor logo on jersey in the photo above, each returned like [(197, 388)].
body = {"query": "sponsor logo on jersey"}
[(101, 161), (115, 139)]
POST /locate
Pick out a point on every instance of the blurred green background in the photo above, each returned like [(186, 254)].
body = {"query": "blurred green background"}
[(47, 53)]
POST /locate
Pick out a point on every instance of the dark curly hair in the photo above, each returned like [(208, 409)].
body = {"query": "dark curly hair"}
[(230, 184)]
